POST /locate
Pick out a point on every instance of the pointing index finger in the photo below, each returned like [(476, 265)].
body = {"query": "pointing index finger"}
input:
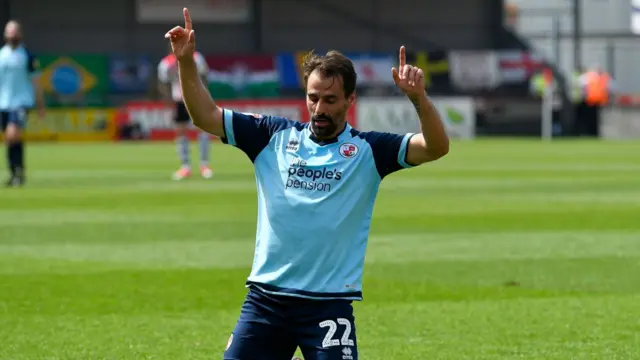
[(403, 56), (187, 20)]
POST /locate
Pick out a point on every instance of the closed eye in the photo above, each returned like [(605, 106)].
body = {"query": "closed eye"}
[(328, 99)]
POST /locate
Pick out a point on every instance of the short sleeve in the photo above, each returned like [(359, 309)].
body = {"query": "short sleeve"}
[(251, 133), (389, 151), (201, 63)]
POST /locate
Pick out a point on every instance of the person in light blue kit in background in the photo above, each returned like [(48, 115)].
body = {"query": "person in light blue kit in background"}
[(317, 184), (19, 90)]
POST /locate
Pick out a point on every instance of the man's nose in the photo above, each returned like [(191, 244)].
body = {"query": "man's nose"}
[(321, 109)]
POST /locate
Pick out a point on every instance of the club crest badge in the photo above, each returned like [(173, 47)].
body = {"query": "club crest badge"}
[(348, 150)]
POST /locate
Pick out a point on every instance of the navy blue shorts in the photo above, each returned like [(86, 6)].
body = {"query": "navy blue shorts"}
[(17, 117), (272, 327)]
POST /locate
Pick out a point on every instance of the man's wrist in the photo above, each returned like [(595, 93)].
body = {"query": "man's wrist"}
[(419, 100), (418, 96), (187, 63)]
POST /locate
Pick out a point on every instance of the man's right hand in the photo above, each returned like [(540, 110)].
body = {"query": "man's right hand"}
[(183, 40), (203, 111)]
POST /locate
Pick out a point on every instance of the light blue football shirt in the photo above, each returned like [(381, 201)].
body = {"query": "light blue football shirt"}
[(315, 202), (17, 67)]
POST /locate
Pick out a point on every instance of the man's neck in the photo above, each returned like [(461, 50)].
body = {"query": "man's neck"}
[(330, 137)]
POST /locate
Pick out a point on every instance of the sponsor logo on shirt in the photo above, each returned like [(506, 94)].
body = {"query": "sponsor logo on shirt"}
[(301, 176)]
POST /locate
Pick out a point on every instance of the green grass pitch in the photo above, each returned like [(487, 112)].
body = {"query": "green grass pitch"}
[(504, 249)]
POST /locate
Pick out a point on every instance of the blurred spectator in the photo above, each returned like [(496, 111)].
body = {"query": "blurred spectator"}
[(511, 14), (169, 87), (544, 81), (598, 88)]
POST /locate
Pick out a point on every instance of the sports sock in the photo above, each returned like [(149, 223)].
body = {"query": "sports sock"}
[(183, 150), (19, 158), (15, 156), (204, 148), (10, 158)]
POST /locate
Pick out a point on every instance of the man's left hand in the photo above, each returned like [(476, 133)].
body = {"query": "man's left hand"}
[(408, 78)]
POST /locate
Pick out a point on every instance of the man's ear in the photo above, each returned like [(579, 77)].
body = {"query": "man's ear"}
[(352, 98)]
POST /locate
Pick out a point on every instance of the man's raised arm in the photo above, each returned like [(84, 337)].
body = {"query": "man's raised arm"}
[(204, 112), (432, 143)]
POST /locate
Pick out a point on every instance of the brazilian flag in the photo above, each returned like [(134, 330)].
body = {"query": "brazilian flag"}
[(75, 80)]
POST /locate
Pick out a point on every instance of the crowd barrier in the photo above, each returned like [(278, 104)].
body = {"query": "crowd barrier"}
[(73, 124), (399, 116), (154, 120)]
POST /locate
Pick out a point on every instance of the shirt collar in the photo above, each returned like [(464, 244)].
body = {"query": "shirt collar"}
[(343, 135)]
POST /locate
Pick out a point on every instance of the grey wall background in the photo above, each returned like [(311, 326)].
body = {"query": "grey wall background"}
[(279, 25)]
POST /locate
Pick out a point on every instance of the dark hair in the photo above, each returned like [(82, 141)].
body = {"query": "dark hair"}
[(333, 64)]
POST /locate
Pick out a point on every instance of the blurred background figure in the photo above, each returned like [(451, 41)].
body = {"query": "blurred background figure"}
[(169, 88), (19, 92), (544, 79), (511, 14), (598, 90)]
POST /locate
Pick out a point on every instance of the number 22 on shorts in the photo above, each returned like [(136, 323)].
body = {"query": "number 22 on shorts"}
[(329, 341)]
